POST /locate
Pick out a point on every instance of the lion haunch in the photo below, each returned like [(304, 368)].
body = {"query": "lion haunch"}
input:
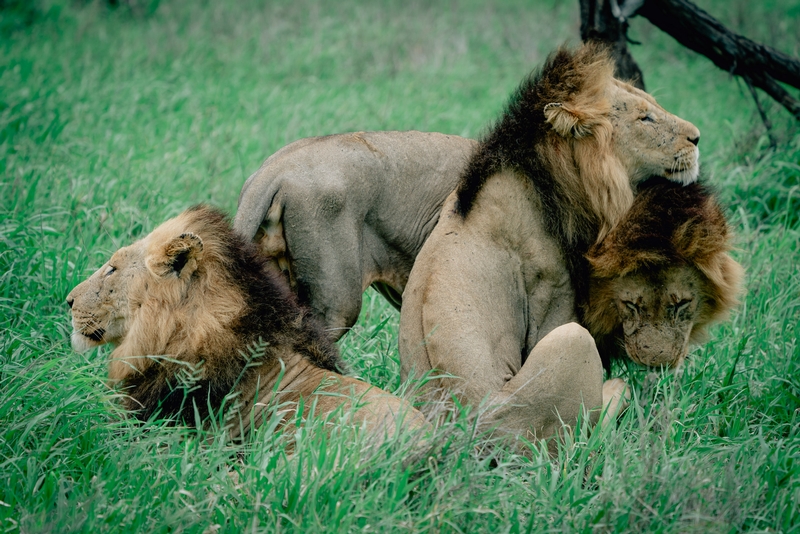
[(491, 298), (200, 296), (339, 213), (661, 276)]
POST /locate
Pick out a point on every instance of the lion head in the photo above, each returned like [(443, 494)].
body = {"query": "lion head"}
[(194, 291), (662, 275), (649, 140), (585, 139)]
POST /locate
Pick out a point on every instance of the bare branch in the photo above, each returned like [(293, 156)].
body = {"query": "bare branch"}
[(758, 64), (764, 118), (776, 91)]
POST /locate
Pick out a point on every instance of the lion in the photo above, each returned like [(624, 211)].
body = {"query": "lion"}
[(661, 276), (340, 213), (201, 296), (492, 298)]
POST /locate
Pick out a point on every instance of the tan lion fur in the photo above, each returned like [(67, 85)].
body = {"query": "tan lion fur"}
[(339, 213), (185, 307), (491, 299), (662, 275)]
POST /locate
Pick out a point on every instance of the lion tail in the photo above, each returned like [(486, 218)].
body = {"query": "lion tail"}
[(259, 216), (257, 204)]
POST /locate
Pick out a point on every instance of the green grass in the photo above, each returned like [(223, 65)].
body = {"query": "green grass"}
[(113, 120)]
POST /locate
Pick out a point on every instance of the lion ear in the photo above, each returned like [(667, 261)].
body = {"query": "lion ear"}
[(178, 256), (567, 121)]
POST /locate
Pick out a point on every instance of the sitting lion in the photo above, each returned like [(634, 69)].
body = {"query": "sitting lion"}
[(341, 212), (661, 276), (199, 295), (491, 299)]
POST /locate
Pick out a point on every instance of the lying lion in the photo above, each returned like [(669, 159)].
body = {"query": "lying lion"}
[(198, 294), (491, 299), (661, 276), (341, 212)]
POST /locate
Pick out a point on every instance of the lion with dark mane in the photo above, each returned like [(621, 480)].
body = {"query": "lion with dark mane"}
[(661, 276), (492, 298), (193, 298)]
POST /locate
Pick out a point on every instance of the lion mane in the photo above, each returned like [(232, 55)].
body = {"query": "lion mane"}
[(564, 149), (667, 227), (237, 303)]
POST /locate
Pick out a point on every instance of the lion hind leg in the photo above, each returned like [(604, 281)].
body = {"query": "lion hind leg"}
[(561, 378), (272, 242)]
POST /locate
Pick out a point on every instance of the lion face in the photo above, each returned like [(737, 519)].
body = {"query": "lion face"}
[(99, 304), (662, 275), (649, 140), (658, 311), (105, 305), (610, 137)]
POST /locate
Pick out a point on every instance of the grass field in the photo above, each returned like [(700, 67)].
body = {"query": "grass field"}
[(112, 121)]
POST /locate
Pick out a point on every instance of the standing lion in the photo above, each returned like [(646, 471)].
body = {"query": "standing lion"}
[(183, 308), (339, 213), (491, 300)]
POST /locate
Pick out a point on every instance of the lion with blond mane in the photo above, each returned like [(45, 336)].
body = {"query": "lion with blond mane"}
[(491, 300), (200, 296)]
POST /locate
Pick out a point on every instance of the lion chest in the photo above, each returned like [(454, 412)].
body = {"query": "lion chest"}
[(508, 216)]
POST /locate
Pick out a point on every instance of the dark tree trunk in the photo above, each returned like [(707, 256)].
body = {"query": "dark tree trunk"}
[(599, 23)]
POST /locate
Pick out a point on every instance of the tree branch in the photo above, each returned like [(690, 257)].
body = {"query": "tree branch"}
[(758, 64), (767, 123)]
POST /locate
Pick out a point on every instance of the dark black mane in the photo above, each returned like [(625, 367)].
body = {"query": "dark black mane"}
[(668, 224)]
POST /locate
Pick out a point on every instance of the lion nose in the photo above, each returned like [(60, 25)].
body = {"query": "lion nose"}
[(70, 301), (694, 140)]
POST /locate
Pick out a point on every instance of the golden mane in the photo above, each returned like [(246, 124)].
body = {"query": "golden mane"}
[(207, 297), (556, 131)]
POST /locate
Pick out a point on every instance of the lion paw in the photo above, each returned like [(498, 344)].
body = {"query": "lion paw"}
[(616, 397)]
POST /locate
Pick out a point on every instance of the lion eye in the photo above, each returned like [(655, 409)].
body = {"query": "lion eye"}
[(680, 306), (111, 270), (647, 118), (631, 306)]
